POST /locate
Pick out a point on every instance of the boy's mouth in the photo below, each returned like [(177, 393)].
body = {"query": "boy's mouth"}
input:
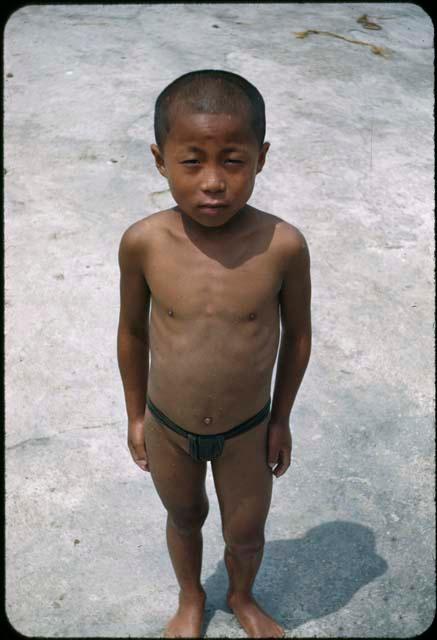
[(212, 208), (213, 204)]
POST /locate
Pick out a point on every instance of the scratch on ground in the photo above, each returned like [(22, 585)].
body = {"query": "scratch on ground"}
[(159, 193), (368, 24), (45, 439), (32, 441), (379, 51), (96, 426)]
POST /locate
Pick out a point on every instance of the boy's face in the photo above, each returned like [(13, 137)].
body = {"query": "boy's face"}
[(210, 162)]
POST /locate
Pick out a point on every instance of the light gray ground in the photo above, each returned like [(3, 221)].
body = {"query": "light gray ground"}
[(350, 537)]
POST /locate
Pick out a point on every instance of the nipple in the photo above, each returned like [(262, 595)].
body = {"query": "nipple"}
[(207, 420)]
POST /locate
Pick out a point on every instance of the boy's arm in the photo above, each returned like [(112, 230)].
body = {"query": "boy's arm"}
[(294, 351), (133, 338)]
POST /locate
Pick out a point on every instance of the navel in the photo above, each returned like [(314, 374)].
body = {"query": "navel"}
[(170, 312), (207, 420), (252, 316)]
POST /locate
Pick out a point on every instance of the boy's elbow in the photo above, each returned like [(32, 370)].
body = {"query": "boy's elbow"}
[(126, 331), (305, 341), (299, 342), (303, 335)]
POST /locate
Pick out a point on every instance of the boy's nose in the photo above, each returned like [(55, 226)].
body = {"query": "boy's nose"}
[(213, 183)]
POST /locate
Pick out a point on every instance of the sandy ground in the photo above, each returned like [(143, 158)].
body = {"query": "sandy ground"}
[(350, 537)]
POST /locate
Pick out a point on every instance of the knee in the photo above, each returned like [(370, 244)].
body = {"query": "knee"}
[(188, 520), (243, 542)]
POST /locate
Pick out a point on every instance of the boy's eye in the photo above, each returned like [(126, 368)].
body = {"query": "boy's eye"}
[(193, 161)]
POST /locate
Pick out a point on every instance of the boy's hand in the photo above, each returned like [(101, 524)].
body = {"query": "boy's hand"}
[(279, 447), (135, 442)]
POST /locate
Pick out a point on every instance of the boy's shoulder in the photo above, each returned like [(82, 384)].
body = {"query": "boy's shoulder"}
[(137, 240), (288, 237), (139, 232)]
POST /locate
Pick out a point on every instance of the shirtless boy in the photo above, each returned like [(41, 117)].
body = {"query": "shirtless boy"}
[(222, 276)]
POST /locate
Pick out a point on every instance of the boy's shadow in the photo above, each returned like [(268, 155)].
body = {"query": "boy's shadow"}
[(307, 578)]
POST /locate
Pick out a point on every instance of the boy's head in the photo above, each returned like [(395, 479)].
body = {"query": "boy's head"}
[(209, 129), (209, 91)]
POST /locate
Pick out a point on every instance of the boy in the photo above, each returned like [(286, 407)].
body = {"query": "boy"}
[(222, 275)]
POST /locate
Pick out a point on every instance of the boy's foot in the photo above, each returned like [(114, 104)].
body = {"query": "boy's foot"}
[(187, 621), (256, 622)]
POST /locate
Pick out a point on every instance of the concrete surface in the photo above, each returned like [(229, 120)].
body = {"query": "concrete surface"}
[(350, 538)]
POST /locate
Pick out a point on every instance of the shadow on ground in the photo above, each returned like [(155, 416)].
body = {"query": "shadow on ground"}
[(307, 578)]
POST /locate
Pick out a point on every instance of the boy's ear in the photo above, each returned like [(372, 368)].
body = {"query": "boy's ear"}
[(262, 156), (159, 159)]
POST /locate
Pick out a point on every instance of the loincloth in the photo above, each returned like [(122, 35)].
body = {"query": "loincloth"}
[(207, 447)]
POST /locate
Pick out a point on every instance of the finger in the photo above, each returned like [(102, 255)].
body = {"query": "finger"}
[(139, 455), (141, 458), (272, 457), (272, 461), (284, 463), (146, 463), (143, 464)]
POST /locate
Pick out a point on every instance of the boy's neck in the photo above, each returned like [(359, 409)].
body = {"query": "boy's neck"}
[(231, 229)]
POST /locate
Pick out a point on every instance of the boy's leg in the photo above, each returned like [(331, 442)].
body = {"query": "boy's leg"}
[(180, 483), (243, 482)]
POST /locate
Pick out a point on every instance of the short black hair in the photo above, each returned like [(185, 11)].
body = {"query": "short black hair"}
[(210, 91)]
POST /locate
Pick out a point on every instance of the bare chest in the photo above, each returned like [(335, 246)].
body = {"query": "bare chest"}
[(189, 283)]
